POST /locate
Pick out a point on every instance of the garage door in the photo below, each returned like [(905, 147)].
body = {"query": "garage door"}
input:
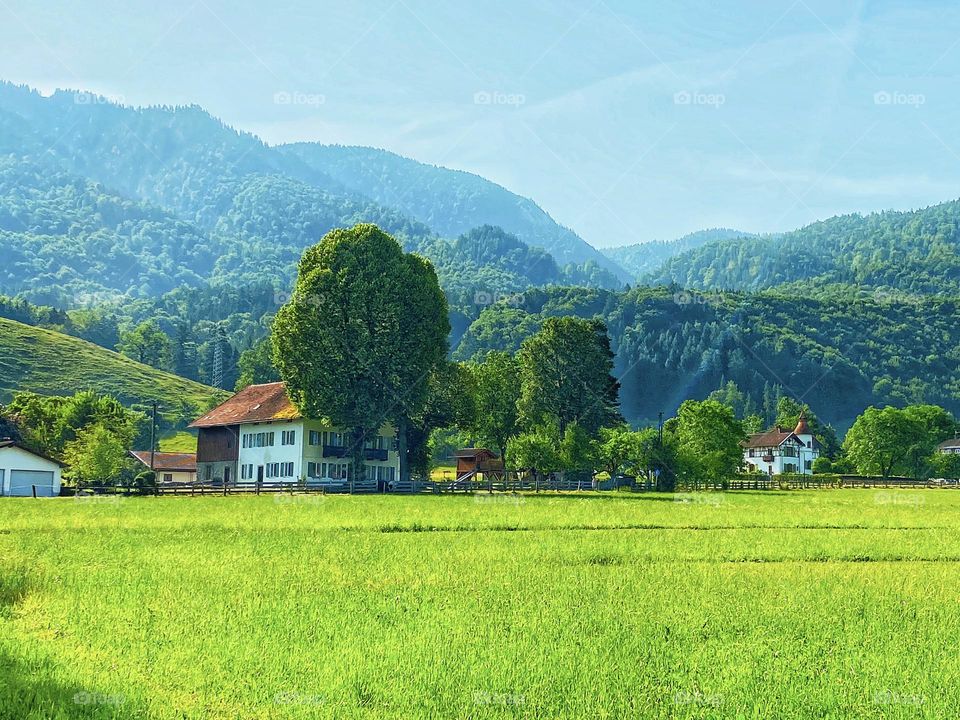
[(22, 482)]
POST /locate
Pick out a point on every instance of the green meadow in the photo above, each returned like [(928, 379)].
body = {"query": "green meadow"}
[(830, 603)]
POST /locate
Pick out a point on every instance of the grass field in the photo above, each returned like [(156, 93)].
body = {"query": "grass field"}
[(833, 603), (178, 441), (51, 363)]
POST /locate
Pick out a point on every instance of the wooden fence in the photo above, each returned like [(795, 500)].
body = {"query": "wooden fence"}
[(512, 482)]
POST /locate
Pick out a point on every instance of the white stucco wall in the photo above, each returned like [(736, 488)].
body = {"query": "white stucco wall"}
[(13, 458)]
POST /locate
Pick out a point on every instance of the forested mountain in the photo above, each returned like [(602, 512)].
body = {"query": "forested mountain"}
[(643, 258), (838, 353), (98, 198), (164, 222), (908, 252), (449, 201)]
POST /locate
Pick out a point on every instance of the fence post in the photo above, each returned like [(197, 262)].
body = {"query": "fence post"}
[(225, 487), (34, 491), (257, 484)]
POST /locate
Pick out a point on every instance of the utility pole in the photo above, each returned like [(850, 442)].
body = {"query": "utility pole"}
[(153, 433)]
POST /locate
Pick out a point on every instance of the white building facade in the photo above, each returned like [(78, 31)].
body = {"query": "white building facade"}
[(24, 473), (780, 451), (257, 436)]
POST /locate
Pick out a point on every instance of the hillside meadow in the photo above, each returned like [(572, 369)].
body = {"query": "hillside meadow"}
[(51, 363), (832, 603)]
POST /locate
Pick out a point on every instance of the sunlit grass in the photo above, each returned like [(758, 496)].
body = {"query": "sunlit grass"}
[(181, 441), (799, 604)]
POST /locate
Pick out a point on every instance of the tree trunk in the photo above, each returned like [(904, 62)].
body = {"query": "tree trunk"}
[(358, 435), (402, 451)]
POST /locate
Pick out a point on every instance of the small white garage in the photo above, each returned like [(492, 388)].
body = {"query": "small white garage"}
[(23, 472)]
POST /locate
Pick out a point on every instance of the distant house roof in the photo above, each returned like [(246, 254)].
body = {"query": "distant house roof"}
[(170, 462), (950, 444), (255, 403), (771, 438), (7, 443)]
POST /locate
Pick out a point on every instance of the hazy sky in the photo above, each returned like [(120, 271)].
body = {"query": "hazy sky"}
[(627, 121)]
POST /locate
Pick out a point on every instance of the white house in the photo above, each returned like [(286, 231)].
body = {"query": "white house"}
[(23, 472), (781, 451), (168, 467), (950, 447), (258, 435)]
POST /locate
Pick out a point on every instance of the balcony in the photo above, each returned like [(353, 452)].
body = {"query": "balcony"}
[(337, 451)]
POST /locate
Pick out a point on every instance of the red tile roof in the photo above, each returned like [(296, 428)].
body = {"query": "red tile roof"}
[(255, 403), (771, 438), (177, 462)]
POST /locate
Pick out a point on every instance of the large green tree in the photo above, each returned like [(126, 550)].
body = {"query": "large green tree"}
[(365, 327), (497, 390), (881, 441), (566, 376), (97, 455), (146, 343), (709, 436)]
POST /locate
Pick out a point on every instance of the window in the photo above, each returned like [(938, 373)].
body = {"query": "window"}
[(208, 472), (246, 472), (288, 437), (808, 465), (168, 477), (314, 437), (262, 439)]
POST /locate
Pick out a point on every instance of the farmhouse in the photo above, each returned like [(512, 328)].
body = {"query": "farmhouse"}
[(950, 447), (779, 451), (258, 435), (169, 467), (25, 473)]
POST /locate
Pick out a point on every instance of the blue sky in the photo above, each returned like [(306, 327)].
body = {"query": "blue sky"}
[(627, 121)]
